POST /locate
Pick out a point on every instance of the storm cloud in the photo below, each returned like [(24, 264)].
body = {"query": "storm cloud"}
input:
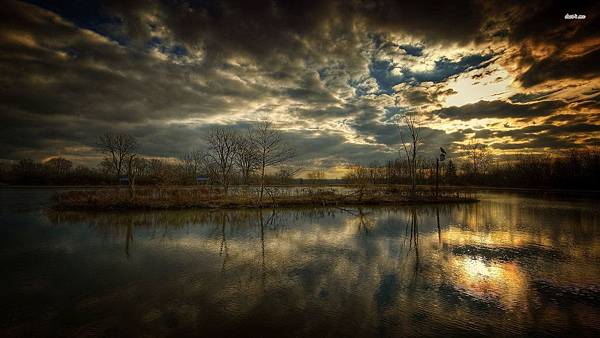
[(500, 109), (333, 75)]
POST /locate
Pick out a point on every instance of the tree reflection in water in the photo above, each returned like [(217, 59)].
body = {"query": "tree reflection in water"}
[(433, 267), (223, 249), (128, 237)]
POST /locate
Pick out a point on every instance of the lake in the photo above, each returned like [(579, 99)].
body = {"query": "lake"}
[(513, 264)]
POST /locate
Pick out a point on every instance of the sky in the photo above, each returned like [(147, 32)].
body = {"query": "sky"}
[(333, 76)]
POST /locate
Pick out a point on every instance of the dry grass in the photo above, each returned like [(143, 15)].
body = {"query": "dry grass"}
[(202, 197)]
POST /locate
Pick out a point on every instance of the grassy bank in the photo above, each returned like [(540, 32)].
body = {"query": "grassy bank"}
[(205, 198)]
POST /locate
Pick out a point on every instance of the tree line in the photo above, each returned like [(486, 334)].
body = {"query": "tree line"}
[(229, 157), (571, 169), (258, 156)]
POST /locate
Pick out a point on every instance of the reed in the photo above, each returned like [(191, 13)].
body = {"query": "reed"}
[(207, 198)]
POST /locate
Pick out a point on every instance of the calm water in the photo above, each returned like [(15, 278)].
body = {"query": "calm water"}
[(511, 265)]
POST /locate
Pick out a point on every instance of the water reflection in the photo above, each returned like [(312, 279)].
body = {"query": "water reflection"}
[(458, 270), (503, 284)]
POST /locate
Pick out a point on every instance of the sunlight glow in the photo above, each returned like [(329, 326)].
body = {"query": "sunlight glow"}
[(488, 86), (489, 281)]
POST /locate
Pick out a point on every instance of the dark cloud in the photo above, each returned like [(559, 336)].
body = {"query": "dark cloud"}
[(592, 141), (543, 136), (537, 142), (572, 44), (500, 109), (557, 130), (433, 21), (418, 97), (536, 21), (333, 149), (311, 90), (589, 104), (531, 97), (265, 28), (165, 71), (555, 67), (321, 114), (412, 50), (573, 118), (66, 71), (423, 95)]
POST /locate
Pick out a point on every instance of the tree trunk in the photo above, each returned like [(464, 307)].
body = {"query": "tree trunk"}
[(262, 183), (224, 182), (414, 168), (131, 182), (437, 175)]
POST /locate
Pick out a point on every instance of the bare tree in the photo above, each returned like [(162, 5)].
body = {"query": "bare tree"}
[(58, 166), (410, 138), (285, 175), (222, 146), (440, 158), (119, 149), (360, 177), (316, 175), (194, 163), (135, 167), (160, 171), (479, 158), (246, 158), (271, 150)]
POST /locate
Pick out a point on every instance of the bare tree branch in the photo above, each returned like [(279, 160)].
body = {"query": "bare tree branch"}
[(118, 148), (223, 145), (271, 150), (412, 124)]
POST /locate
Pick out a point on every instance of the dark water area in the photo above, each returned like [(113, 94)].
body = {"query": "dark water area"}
[(510, 265)]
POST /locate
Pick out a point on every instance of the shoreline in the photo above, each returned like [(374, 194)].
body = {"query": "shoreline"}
[(463, 188), (233, 206), (178, 199)]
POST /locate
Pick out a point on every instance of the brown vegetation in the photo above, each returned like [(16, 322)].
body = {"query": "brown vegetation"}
[(205, 197)]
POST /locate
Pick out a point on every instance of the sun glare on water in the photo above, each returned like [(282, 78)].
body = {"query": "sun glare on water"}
[(502, 283)]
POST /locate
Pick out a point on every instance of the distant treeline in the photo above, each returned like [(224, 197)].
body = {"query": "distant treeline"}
[(61, 171), (570, 170), (577, 169)]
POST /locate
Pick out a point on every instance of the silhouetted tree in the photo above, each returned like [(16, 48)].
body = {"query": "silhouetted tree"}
[(119, 149), (28, 171), (360, 177), (316, 175), (450, 172), (478, 158), (270, 149), (58, 166), (286, 175), (247, 158), (135, 167), (194, 164), (222, 143), (410, 138)]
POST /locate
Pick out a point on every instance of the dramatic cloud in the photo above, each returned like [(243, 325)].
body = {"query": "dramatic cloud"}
[(560, 48), (500, 109), (333, 75)]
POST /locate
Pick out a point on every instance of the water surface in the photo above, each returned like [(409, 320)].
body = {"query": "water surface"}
[(510, 265)]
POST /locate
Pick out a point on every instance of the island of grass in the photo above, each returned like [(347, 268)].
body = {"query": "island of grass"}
[(164, 198)]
